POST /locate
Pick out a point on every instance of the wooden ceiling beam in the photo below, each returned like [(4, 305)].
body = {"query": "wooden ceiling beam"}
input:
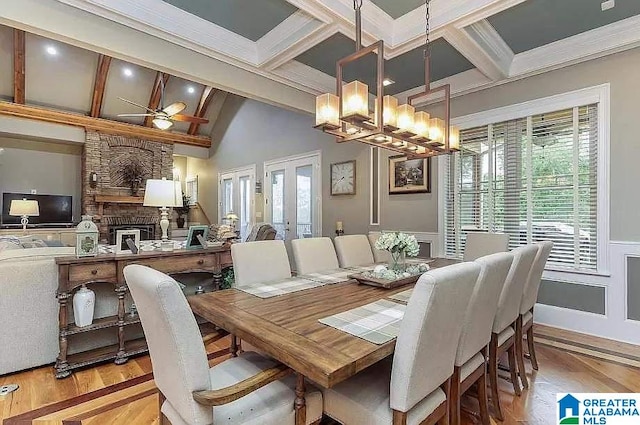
[(101, 125), (18, 66), (201, 110), (99, 84), (156, 95)]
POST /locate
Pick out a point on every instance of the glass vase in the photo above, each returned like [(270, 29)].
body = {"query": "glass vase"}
[(398, 262)]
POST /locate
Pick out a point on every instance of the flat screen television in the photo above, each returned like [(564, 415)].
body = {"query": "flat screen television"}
[(54, 209)]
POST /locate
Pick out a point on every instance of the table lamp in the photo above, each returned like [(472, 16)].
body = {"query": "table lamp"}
[(24, 208), (164, 194), (232, 218)]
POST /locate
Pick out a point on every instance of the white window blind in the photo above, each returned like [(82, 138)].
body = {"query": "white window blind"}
[(534, 178)]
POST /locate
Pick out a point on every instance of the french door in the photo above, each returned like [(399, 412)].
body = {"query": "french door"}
[(236, 195), (293, 196)]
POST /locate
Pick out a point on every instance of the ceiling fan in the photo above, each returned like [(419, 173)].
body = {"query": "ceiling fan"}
[(164, 117)]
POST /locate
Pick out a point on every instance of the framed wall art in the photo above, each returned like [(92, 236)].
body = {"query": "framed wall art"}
[(409, 175), (124, 239)]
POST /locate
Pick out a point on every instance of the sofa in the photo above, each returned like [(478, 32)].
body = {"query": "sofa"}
[(28, 307)]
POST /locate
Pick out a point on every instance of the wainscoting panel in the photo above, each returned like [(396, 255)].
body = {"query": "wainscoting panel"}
[(633, 287), (591, 299)]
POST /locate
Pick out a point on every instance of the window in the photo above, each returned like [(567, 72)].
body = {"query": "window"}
[(191, 187), (534, 178)]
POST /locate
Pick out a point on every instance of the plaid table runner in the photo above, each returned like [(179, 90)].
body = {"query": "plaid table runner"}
[(280, 287), (378, 322), (402, 296), (329, 276)]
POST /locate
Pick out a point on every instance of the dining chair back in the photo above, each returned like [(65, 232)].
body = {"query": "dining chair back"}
[(178, 355), (532, 286), (479, 244), (478, 321), (353, 250), (509, 302), (379, 255), (260, 261), (314, 254), (429, 333)]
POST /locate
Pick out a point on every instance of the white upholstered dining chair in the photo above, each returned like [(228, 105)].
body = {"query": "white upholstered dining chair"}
[(379, 255), (409, 389), (312, 255), (470, 365), (193, 393), (503, 332), (260, 261), (524, 324), (479, 244), (353, 250)]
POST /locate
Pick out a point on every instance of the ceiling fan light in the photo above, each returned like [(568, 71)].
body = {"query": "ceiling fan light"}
[(162, 123)]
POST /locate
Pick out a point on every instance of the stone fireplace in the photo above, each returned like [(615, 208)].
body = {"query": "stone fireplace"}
[(108, 197)]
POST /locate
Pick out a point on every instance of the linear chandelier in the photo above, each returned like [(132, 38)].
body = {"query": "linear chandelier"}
[(398, 128)]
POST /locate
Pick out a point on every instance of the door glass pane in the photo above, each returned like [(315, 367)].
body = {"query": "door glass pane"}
[(277, 203), (304, 204), (245, 206), (227, 196)]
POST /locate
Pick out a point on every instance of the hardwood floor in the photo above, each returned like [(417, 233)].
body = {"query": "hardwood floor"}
[(125, 395)]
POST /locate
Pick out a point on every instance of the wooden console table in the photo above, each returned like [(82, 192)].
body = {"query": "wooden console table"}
[(108, 268)]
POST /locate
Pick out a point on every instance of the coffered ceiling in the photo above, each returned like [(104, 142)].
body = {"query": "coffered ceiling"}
[(476, 43)]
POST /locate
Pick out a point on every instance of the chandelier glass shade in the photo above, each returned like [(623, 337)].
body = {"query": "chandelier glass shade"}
[(348, 116)]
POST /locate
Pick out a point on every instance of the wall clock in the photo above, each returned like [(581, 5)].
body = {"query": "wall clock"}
[(343, 178)]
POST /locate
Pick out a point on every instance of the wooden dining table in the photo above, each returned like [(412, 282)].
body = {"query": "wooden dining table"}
[(286, 327)]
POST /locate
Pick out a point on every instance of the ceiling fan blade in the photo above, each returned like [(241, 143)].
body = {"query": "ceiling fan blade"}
[(137, 104), (175, 108), (136, 115), (188, 118)]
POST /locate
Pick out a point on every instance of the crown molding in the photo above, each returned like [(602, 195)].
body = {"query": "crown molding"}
[(461, 84), (291, 37), (462, 41), (491, 42), (313, 81)]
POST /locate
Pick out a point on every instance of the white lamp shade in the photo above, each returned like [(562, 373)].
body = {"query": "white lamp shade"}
[(162, 193), (22, 207)]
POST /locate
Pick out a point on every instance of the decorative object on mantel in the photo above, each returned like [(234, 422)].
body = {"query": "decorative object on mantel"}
[(346, 114), (197, 238), (87, 236), (132, 175), (182, 211), (409, 175), (343, 178), (24, 208), (339, 229), (84, 302), (163, 194), (400, 245)]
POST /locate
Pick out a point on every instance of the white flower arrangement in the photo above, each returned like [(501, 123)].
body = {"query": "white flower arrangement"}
[(398, 242)]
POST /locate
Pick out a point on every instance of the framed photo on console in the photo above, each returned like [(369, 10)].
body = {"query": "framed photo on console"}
[(127, 241), (197, 238)]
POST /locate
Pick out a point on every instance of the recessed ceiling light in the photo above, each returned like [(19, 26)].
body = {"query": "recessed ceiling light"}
[(387, 82), (51, 50), (609, 4), (191, 89), (127, 72)]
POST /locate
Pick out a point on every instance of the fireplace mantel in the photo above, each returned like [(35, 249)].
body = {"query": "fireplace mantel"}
[(117, 199)]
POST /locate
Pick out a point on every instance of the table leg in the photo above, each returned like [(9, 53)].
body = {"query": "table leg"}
[(234, 346), (300, 402), (62, 367), (121, 357)]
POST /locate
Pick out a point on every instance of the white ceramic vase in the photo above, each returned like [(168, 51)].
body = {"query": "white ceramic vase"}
[(84, 302)]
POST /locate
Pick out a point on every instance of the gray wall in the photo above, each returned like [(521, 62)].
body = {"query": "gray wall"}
[(50, 168)]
